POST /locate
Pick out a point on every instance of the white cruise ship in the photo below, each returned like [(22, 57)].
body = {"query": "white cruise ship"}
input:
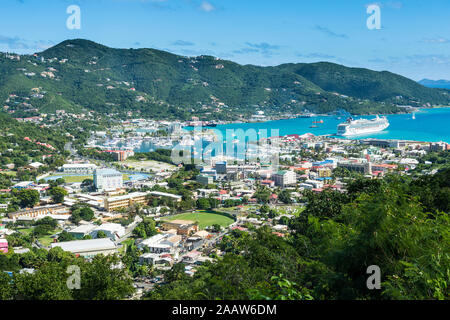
[(362, 126)]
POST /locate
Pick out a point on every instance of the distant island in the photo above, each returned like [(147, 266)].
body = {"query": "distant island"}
[(82, 76), (443, 84)]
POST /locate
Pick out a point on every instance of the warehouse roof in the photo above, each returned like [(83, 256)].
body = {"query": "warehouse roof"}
[(80, 246)]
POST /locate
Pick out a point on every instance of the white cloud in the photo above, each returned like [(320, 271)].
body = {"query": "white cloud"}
[(206, 6), (437, 40)]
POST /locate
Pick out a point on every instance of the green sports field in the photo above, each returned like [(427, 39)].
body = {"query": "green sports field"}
[(204, 218)]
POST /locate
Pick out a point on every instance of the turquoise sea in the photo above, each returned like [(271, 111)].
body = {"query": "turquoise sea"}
[(429, 125)]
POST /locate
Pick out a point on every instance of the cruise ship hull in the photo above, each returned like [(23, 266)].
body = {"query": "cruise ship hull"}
[(364, 131), (362, 127)]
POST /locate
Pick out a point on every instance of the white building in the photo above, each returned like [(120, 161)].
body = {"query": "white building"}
[(285, 178), (162, 243), (107, 179), (88, 248), (79, 168), (113, 231)]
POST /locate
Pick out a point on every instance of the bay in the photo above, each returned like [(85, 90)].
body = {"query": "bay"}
[(431, 125)]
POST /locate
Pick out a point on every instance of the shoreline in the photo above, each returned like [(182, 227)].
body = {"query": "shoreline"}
[(321, 115), (398, 132)]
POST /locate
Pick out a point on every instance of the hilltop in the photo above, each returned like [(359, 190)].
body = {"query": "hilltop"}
[(80, 75)]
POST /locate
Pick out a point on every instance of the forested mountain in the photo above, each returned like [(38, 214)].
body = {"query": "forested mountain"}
[(80, 75)]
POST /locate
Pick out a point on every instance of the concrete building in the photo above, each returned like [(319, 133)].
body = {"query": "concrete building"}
[(79, 168), (114, 231), (438, 146), (362, 167), (40, 211), (204, 179), (162, 243), (121, 155), (82, 230), (221, 167), (183, 227), (107, 179), (88, 248), (284, 178), (324, 172), (125, 201)]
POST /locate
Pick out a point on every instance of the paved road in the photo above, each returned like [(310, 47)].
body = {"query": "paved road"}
[(69, 148), (129, 230)]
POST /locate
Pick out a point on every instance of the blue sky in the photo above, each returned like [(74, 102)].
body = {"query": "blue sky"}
[(414, 39)]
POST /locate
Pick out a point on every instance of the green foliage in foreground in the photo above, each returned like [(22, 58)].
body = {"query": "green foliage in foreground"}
[(100, 278), (380, 223), (397, 224)]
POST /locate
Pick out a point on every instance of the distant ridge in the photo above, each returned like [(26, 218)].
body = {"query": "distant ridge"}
[(81, 75), (444, 84)]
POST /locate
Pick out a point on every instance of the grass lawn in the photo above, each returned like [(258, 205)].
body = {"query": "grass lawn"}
[(126, 244), (46, 240), (25, 231), (204, 218)]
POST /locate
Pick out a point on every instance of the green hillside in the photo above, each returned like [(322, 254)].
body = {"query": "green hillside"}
[(80, 75)]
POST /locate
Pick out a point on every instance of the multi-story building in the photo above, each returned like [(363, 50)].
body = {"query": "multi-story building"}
[(79, 168), (121, 155), (221, 167), (107, 179), (324, 172), (205, 179), (162, 243), (438, 146), (284, 178), (125, 201), (40, 211), (362, 167)]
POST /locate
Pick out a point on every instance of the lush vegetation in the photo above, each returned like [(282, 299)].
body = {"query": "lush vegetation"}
[(158, 84), (387, 223), (24, 143), (161, 155), (204, 218), (100, 278)]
